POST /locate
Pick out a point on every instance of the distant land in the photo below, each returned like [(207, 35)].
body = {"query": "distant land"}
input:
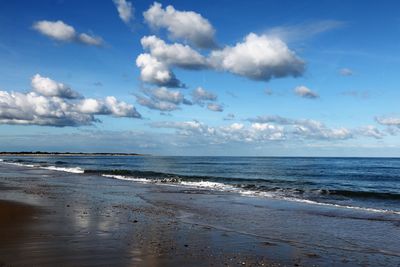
[(43, 153)]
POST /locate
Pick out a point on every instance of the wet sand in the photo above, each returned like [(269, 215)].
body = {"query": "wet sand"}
[(53, 218)]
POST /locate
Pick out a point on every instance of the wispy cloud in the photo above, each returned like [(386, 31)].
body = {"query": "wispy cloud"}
[(303, 31), (162, 99), (345, 72)]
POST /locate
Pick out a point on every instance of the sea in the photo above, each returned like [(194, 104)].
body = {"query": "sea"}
[(364, 184)]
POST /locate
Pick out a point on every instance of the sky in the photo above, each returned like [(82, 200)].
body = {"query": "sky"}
[(229, 78)]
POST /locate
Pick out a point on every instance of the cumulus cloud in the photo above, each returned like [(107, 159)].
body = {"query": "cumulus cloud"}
[(179, 55), (125, 10), (48, 87), (54, 104), (305, 92), (156, 65), (235, 132), (62, 32), (258, 58), (312, 129), (258, 130), (304, 127), (156, 72), (185, 25), (108, 106), (345, 72), (162, 99)]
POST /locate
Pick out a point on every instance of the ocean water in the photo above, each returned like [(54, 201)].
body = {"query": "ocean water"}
[(367, 184)]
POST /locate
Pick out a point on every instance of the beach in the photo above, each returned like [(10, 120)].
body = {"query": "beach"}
[(69, 219)]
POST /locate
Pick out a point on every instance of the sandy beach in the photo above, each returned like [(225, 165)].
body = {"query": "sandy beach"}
[(55, 218)]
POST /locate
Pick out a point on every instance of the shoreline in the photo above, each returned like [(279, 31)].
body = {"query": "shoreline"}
[(44, 154), (93, 220)]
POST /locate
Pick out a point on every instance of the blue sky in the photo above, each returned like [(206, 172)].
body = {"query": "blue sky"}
[(263, 78)]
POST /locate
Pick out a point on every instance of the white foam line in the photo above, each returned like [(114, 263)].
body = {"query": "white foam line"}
[(63, 169), (341, 206), (51, 168), (125, 178)]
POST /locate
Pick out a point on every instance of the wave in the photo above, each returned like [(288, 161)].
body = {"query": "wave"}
[(64, 169), (51, 168), (169, 177), (361, 194), (297, 191), (229, 188)]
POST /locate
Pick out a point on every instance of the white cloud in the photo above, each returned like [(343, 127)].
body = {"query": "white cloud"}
[(155, 104), (164, 94), (49, 87), (90, 40), (388, 121), (60, 31), (162, 99), (156, 72), (258, 58), (345, 72), (215, 107), (185, 128), (179, 55), (125, 10), (306, 128), (31, 108), (236, 132), (108, 106), (311, 129), (57, 30), (199, 95), (370, 131), (156, 66), (267, 129), (392, 123), (54, 104), (305, 92), (186, 25)]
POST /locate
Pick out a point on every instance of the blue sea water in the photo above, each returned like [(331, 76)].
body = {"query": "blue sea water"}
[(370, 184)]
